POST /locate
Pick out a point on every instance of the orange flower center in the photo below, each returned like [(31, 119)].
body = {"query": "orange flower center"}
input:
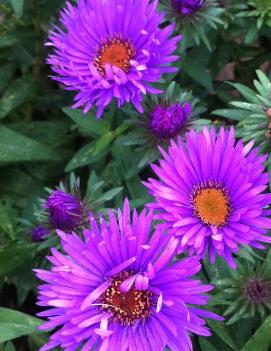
[(212, 206), (126, 307), (117, 52)]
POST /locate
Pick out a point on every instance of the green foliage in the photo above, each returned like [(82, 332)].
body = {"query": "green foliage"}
[(14, 324), (253, 113), (261, 340), (247, 291)]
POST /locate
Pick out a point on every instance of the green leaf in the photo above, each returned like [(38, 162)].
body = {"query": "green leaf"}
[(247, 106), (234, 114), (13, 257), (104, 142), (94, 184), (206, 345), (15, 95), (15, 147), (195, 65), (252, 34), (14, 324), (8, 40), (87, 122), (53, 133), (6, 74), (5, 223), (9, 346), (110, 194), (199, 74), (247, 93), (18, 6), (221, 330), (85, 156), (261, 340)]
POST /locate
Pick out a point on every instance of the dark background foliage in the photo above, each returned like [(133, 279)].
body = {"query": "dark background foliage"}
[(42, 140)]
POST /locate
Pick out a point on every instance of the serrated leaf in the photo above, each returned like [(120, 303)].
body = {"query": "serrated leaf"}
[(261, 340), (14, 324), (15, 147)]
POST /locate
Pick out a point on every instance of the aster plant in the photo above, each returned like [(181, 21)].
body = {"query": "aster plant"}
[(165, 117), (194, 18), (257, 9), (210, 193), (66, 209), (253, 114), (119, 289), (115, 49), (247, 291)]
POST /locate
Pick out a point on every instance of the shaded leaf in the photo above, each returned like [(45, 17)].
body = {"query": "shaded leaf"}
[(206, 345), (14, 324), (5, 223), (85, 156), (234, 114), (109, 195), (15, 147), (17, 6), (221, 330), (15, 256), (15, 95), (87, 122), (261, 340)]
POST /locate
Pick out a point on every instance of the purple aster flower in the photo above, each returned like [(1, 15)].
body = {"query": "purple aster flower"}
[(210, 194), (66, 212), (118, 289), (187, 7), (39, 233), (167, 121), (111, 49)]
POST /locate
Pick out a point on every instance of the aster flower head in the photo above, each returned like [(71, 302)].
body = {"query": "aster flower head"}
[(39, 233), (165, 117), (187, 7), (118, 289), (166, 121), (211, 194), (65, 210), (111, 49), (250, 289)]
